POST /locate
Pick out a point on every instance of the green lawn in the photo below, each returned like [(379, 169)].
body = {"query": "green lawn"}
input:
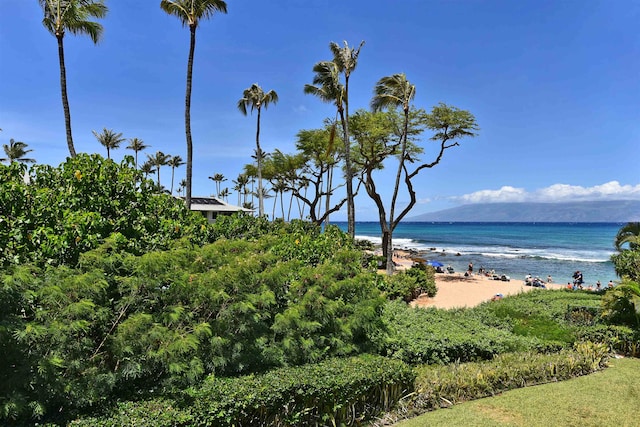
[(606, 398)]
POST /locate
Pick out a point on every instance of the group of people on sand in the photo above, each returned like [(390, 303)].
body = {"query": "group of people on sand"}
[(536, 281), (578, 283)]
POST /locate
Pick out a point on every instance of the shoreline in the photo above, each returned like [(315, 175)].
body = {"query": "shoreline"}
[(456, 290), (516, 250)]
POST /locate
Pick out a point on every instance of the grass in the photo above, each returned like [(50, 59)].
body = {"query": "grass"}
[(606, 398)]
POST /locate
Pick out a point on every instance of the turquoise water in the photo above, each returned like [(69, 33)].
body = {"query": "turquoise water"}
[(514, 249)]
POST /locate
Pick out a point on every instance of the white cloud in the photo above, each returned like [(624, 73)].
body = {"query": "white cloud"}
[(555, 193), (505, 194)]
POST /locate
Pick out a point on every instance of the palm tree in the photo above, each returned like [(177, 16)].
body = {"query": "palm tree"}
[(218, 179), (327, 86), (241, 186), (224, 194), (147, 168), (181, 186), (251, 172), (109, 139), (629, 233), (137, 145), (16, 152), (158, 160), (174, 162), (346, 58), (255, 98), (329, 89), (74, 16), (190, 12), (390, 93)]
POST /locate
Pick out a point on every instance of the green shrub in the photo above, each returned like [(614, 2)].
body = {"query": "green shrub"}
[(548, 315), (151, 324), (551, 304), (333, 392), (620, 339), (425, 278), (400, 286), (70, 209), (407, 285), (444, 336)]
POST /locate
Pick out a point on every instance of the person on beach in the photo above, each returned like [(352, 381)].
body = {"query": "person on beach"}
[(578, 280), (549, 279), (470, 269), (598, 286), (610, 284)]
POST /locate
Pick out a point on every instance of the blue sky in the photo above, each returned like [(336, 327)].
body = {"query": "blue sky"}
[(554, 86)]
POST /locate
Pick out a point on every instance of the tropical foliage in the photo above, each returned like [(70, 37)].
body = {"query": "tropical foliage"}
[(622, 304), (382, 137), (628, 234), (137, 145), (67, 210)]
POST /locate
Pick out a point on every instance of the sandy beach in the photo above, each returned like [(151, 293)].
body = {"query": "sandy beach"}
[(455, 290)]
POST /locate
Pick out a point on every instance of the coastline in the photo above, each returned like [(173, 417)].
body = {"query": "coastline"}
[(457, 290), (514, 249)]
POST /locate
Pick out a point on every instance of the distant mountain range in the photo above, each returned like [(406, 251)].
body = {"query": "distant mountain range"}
[(600, 211)]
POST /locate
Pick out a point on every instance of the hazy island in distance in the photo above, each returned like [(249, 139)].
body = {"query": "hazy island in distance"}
[(595, 211)]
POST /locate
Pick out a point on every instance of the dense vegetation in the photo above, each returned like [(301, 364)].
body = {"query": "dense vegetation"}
[(61, 212), (117, 300)]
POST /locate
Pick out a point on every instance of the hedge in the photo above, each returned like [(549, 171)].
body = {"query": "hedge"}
[(334, 392)]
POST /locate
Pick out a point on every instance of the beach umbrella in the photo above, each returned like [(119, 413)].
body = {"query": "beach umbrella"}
[(435, 264)]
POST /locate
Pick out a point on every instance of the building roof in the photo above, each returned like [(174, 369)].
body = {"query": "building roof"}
[(213, 204)]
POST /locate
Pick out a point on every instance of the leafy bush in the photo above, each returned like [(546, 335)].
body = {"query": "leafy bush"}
[(425, 278), (400, 286), (161, 321), (65, 211), (407, 285), (620, 339), (548, 304), (627, 264), (444, 336), (333, 392)]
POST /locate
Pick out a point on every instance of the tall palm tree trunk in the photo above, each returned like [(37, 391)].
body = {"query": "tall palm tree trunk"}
[(351, 218), (259, 156), (173, 170), (187, 115), (65, 99), (403, 153), (328, 199)]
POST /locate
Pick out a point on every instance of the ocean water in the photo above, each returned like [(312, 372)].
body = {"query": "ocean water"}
[(514, 249)]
